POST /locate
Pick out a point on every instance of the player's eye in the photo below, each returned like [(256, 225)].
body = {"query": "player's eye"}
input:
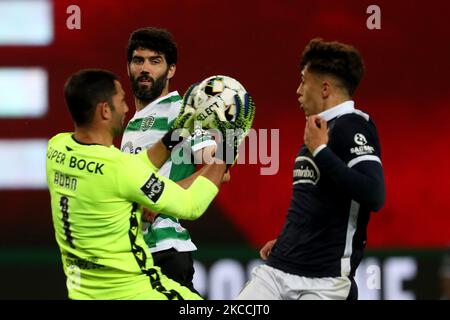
[(155, 61), (138, 60)]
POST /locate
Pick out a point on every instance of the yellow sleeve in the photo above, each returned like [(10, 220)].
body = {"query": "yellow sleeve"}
[(144, 157), (142, 184)]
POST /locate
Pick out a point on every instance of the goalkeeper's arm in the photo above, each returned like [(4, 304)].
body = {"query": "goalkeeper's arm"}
[(161, 194), (192, 202), (159, 152)]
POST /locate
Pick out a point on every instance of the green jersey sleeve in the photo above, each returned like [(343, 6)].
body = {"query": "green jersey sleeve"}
[(140, 183)]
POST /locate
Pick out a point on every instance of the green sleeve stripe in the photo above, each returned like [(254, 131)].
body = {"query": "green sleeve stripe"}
[(182, 170), (170, 99), (160, 234), (144, 124), (163, 216)]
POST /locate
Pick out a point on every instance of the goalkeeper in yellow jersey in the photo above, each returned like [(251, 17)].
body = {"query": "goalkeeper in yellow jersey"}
[(97, 193)]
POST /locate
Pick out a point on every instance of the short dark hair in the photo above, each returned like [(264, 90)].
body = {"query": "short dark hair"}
[(85, 89), (158, 40), (340, 60)]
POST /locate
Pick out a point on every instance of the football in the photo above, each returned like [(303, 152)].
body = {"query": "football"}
[(217, 93)]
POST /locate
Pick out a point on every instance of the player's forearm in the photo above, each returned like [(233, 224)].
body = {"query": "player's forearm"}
[(214, 172), (197, 198), (205, 155), (160, 151), (187, 182), (364, 183), (158, 154), (191, 203)]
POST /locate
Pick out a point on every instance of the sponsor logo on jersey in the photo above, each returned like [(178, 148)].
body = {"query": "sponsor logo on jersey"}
[(306, 171), (153, 188), (85, 264), (82, 164), (360, 139), (147, 123), (362, 148), (129, 148)]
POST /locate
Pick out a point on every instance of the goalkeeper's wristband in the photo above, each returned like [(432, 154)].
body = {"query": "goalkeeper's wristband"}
[(169, 142)]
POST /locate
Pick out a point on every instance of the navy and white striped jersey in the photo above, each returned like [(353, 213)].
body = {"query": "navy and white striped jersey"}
[(334, 192)]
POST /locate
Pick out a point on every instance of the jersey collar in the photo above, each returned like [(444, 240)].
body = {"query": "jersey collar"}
[(343, 108), (171, 94), (160, 99)]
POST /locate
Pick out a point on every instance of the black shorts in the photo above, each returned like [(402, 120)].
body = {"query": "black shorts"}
[(353, 294), (178, 266)]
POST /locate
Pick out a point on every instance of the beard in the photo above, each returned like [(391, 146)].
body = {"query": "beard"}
[(145, 93)]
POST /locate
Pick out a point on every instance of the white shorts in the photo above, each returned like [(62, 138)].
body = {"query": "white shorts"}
[(268, 283)]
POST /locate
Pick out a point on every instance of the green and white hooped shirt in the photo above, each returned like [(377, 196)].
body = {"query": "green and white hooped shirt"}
[(145, 128)]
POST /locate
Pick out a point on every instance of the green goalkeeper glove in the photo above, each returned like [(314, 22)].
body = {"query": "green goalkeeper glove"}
[(183, 125), (185, 119), (234, 132)]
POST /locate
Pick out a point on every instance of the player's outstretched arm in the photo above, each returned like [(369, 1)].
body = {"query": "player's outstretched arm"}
[(158, 154), (180, 129), (190, 203), (140, 183), (214, 172), (187, 182)]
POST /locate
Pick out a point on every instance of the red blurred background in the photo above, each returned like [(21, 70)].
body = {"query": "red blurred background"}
[(405, 90)]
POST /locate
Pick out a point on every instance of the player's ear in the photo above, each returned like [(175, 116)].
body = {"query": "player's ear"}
[(128, 69), (104, 110), (172, 69), (326, 89)]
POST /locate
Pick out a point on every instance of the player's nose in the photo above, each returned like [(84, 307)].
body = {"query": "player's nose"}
[(146, 67)]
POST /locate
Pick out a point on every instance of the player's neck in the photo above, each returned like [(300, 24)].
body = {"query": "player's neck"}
[(141, 104), (334, 101), (93, 136)]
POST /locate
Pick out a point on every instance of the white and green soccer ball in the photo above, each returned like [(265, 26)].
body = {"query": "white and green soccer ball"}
[(216, 94)]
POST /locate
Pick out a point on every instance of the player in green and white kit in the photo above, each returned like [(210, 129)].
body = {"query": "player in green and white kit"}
[(97, 194), (152, 58), (145, 128)]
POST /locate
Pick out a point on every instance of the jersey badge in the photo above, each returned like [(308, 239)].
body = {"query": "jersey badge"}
[(147, 123), (153, 188)]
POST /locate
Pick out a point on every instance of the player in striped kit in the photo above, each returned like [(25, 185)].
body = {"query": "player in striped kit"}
[(152, 57)]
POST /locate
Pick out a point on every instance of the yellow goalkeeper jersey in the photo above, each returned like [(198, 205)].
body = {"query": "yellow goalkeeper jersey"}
[(97, 193)]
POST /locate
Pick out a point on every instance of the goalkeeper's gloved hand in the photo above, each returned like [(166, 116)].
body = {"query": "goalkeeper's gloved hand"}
[(183, 125), (185, 119), (234, 132)]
